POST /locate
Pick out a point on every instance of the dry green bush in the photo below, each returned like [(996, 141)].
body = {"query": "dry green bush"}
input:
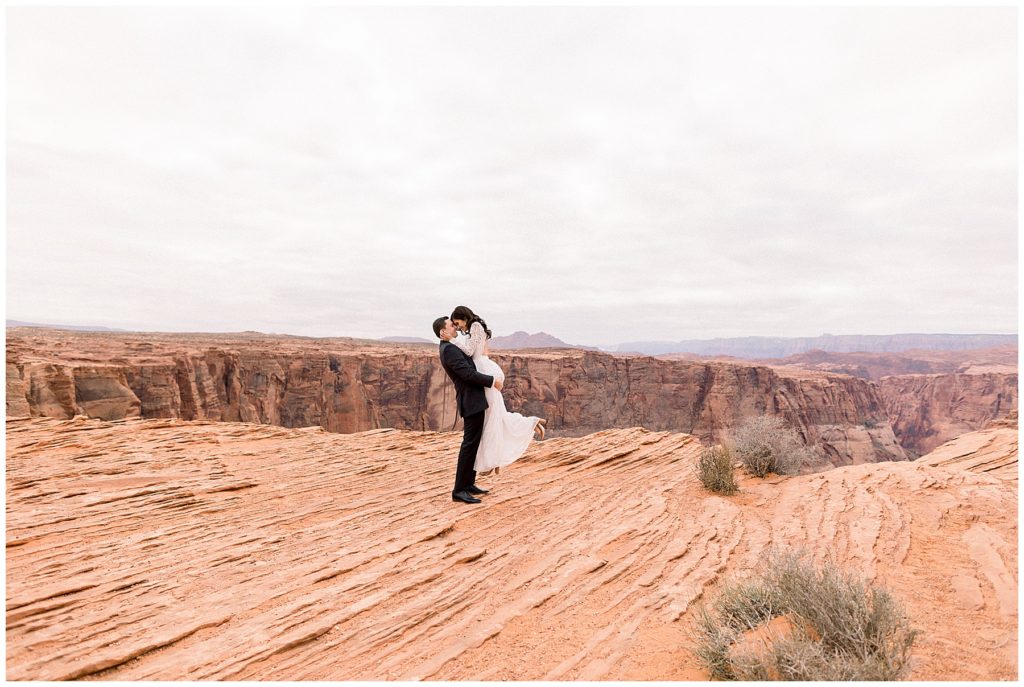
[(765, 444), (714, 468), (746, 605), (842, 629), (737, 608), (713, 640)]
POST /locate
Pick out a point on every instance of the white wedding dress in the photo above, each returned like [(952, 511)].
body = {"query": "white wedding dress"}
[(506, 435)]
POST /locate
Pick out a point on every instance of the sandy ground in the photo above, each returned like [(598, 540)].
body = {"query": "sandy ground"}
[(165, 549)]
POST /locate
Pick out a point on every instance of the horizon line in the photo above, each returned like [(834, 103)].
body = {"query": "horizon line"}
[(112, 329)]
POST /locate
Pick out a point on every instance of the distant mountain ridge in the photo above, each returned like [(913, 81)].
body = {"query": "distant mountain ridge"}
[(515, 340), (781, 347), (521, 339), (73, 327), (407, 339), (746, 348)]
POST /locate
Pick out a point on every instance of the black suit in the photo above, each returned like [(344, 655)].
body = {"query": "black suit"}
[(470, 399)]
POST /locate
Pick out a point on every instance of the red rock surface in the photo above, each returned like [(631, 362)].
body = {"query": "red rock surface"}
[(346, 385), (170, 550), (928, 410), (991, 450)]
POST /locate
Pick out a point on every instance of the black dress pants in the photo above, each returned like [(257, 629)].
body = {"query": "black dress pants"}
[(472, 430)]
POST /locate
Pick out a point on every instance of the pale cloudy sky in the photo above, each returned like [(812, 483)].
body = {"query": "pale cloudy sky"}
[(602, 174)]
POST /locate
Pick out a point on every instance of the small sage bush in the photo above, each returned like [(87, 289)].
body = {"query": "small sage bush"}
[(842, 627), (714, 468), (765, 444)]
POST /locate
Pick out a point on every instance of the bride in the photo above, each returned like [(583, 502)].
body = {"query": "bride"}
[(506, 435)]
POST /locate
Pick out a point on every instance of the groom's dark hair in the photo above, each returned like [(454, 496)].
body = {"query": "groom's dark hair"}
[(439, 325)]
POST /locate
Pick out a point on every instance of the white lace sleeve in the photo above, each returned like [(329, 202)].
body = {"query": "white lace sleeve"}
[(460, 341), (475, 341)]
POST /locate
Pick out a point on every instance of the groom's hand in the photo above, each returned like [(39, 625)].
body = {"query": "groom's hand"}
[(497, 384)]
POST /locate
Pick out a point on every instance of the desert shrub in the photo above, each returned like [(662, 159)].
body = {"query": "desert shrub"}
[(713, 640), (746, 605), (714, 467), (765, 444), (737, 608), (849, 616), (841, 627)]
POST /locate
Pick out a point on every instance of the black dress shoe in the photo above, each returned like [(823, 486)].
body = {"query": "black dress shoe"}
[(473, 489), (465, 497)]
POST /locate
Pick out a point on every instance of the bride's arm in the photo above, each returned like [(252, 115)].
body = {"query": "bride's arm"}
[(477, 338), (463, 343)]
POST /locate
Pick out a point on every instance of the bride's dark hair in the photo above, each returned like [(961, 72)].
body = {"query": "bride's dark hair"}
[(461, 312)]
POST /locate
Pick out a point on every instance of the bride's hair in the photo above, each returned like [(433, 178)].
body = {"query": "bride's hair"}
[(463, 313)]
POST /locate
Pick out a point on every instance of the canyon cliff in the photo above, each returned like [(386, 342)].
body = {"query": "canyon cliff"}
[(346, 385), (928, 410), (930, 396)]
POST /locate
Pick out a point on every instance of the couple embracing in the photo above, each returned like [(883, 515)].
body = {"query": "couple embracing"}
[(492, 436)]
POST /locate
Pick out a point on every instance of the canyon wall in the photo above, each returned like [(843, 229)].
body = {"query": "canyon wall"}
[(926, 411), (349, 386)]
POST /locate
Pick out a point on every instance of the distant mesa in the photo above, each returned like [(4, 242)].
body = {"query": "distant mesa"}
[(72, 327), (407, 339), (521, 339)]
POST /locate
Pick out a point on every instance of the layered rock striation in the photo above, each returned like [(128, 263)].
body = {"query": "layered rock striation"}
[(926, 411), (177, 550), (349, 386), (930, 396)]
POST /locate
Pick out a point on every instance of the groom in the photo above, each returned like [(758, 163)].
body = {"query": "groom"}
[(469, 397)]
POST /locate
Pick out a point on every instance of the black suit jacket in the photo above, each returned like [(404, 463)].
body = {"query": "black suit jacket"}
[(469, 384)]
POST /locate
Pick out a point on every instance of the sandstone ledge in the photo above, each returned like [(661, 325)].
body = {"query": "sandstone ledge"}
[(168, 549)]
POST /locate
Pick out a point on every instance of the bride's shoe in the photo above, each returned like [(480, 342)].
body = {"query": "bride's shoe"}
[(538, 429)]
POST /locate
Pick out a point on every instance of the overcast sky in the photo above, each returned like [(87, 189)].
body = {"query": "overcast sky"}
[(601, 174)]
